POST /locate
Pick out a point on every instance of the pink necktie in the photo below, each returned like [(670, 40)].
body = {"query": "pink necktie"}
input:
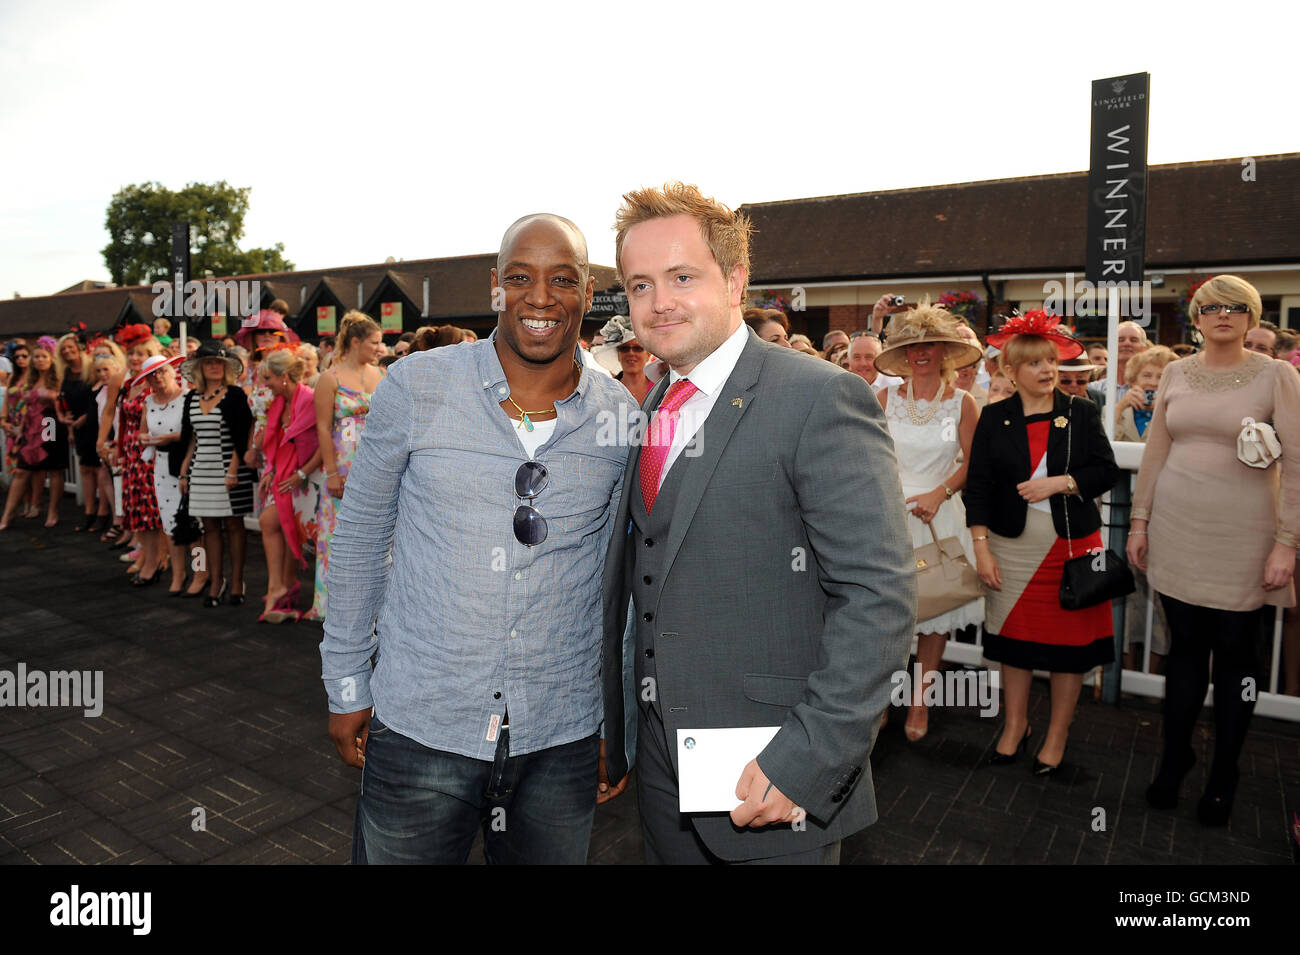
[(660, 439)]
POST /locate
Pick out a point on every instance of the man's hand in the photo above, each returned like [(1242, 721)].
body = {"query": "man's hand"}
[(350, 732), (763, 803), (604, 791)]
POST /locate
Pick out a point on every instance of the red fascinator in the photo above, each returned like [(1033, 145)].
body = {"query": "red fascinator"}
[(1044, 325), (132, 335)]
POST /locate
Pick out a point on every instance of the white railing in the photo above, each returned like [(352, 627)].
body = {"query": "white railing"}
[(1143, 682)]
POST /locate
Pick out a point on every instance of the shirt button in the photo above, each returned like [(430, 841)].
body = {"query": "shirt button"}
[(518, 575), (647, 616), (512, 634), (501, 391), (486, 383)]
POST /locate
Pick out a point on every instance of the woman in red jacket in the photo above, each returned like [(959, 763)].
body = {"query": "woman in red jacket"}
[(292, 452)]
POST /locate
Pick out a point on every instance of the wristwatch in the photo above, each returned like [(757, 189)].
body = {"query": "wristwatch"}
[(1070, 486), (947, 491), (301, 475)]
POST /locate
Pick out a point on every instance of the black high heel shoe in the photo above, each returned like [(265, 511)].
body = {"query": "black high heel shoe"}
[(140, 580), (236, 599), (1003, 759), (1046, 769), (1216, 805), (216, 601), (1163, 791)]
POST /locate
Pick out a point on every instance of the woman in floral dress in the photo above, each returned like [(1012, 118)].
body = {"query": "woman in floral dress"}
[(342, 402)]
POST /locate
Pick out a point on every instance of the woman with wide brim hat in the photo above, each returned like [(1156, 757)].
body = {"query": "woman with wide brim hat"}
[(265, 330), (216, 427), (632, 356), (931, 421)]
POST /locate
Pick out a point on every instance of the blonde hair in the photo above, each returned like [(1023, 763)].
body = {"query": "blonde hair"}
[(113, 347), (150, 345), (284, 361), (195, 374), (1227, 290), (925, 322), (1025, 348), (354, 326), (112, 361), (725, 232), (84, 370), (1157, 355)]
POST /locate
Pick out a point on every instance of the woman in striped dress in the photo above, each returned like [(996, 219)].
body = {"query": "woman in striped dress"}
[(216, 427)]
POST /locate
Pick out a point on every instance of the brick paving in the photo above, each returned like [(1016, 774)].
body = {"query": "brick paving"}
[(208, 710)]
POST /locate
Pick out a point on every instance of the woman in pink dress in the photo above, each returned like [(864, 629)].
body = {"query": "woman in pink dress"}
[(292, 453)]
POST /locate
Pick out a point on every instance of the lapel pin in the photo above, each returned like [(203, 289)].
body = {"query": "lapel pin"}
[(738, 402), (1060, 421)]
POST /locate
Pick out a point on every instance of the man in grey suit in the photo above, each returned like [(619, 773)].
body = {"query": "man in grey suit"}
[(761, 537)]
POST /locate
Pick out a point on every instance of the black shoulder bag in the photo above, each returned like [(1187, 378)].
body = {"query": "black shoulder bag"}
[(1092, 578)]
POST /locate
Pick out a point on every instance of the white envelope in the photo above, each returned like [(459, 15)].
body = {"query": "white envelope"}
[(710, 761)]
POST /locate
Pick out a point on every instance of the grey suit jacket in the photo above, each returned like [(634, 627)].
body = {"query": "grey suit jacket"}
[(787, 595)]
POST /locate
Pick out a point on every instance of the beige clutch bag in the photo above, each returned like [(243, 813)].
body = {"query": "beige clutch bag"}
[(1257, 445)]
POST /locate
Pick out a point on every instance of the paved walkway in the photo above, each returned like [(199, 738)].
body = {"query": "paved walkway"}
[(208, 710)]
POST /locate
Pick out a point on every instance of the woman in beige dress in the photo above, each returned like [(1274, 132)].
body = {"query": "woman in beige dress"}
[(1213, 535)]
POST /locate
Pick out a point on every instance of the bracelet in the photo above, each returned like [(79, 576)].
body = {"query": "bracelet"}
[(948, 492), (331, 473), (302, 476), (1137, 533), (984, 538)]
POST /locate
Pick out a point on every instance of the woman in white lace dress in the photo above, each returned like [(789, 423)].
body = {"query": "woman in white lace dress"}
[(931, 421)]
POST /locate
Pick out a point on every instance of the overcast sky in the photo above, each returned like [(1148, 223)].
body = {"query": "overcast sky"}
[(377, 129)]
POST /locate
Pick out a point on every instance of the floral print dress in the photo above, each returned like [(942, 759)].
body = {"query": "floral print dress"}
[(350, 410)]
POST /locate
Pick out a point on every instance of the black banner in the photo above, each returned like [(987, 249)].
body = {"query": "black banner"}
[(180, 257), (1117, 181)]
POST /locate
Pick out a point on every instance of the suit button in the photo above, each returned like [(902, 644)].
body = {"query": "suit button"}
[(650, 652), (648, 616), (647, 580), (649, 542), (837, 798)]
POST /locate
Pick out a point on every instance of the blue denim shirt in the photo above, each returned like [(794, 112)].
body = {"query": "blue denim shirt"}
[(424, 565)]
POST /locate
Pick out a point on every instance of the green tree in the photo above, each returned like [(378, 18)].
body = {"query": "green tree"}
[(139, 223)]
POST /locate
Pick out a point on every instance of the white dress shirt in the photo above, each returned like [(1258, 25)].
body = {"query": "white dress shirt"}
[(708, 376)]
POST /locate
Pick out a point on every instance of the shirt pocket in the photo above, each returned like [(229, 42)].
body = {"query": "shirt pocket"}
[(578, 495)]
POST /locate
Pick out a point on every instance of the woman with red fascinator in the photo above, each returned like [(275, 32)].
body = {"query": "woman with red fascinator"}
[(1038, 461)]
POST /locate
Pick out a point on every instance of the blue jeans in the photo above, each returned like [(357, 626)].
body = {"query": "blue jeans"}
[(421, 806)]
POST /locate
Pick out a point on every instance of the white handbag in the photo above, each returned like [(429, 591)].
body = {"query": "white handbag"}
[(1257, 445)]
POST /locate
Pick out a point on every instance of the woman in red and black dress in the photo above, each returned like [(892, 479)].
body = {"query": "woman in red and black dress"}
[(139, 499), (1021, 506)]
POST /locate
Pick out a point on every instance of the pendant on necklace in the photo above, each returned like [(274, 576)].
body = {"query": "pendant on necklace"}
[(526, 422)]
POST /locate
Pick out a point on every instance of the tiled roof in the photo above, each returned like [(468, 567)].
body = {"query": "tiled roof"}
[(1198, 214)]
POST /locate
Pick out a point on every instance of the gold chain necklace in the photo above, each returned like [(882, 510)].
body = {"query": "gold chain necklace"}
[(525, 422)]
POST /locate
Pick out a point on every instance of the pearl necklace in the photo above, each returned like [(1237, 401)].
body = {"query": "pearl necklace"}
[(922, 417)]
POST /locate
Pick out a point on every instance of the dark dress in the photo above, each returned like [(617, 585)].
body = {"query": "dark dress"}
[(39, 416), (79, 399)]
